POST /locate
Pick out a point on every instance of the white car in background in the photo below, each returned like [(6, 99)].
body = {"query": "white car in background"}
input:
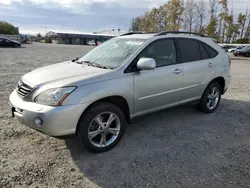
[(232, 50), (92, 43)]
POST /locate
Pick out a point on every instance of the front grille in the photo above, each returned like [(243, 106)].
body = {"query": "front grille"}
[(23, 89)]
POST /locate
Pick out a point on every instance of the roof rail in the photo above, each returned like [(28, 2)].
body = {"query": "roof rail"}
[(179, 32), (133, 32), (138, 32)]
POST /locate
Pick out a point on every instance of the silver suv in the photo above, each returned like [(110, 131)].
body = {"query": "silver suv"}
[(96, 95)]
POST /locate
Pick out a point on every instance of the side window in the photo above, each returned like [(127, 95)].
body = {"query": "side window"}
[(211, 52), (204, 54), (162, 51), (189, 50)]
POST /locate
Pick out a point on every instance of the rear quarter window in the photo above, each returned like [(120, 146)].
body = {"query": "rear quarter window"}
[(211, 52)]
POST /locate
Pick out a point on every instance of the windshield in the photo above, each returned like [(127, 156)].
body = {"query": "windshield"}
[(112, 53)]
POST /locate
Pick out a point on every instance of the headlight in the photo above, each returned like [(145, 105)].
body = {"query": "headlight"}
[(54, 97)]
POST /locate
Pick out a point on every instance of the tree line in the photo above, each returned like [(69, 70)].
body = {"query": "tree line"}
[(8, 29), (213, 18)]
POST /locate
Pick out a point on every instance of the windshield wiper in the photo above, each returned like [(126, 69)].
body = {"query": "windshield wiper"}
[(74, 60), (93, 64)]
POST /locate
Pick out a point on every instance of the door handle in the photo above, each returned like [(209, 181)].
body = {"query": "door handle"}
[(177, 71), (210, 65)]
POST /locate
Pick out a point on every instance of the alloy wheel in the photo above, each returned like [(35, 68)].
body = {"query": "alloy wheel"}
[(104, 129), (213, 98)]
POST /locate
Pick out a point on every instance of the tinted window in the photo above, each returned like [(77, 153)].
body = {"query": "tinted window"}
[(189, 50), (211, 52), (162, 51), (204, 54)]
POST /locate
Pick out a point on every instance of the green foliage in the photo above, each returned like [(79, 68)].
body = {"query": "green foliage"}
[(7, 28), (243, 41), (211, 28)]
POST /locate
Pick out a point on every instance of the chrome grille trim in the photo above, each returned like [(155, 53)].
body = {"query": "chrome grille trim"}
[(23, 89)]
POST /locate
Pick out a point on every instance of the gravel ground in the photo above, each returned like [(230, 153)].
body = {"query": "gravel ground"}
[(179, 147)]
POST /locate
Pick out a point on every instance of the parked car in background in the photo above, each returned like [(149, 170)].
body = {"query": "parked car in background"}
[(96, 95), (91, 43), (232, 50), (5, 42), (227, 47), (243, 52)]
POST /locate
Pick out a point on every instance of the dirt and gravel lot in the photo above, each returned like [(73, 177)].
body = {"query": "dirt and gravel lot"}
[(179, 147)]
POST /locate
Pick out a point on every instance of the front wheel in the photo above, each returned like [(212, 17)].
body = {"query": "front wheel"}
[(211, 98), (101, 128)]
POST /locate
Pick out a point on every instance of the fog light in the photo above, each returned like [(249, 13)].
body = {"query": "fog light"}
[(39, 122)]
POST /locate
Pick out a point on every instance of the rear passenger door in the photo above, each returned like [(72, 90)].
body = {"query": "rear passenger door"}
[(197, 58)]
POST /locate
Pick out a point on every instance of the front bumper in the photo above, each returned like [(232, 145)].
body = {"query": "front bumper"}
[(56, 121)]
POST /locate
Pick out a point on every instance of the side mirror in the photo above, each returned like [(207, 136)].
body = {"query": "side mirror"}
[(146, 64)]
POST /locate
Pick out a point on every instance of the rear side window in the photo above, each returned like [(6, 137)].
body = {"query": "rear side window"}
[(189, 50), (211, 52), (204, 54)]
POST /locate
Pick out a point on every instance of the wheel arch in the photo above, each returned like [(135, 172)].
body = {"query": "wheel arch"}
[(219, 80), (117, 100)]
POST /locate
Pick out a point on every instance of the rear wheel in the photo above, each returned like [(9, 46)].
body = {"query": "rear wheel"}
[(102, 127), (211, 98)]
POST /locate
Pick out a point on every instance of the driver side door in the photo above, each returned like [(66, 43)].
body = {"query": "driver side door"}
[(159, 88)]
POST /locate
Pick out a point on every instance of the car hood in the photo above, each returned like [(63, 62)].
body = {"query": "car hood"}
[(62, 74)]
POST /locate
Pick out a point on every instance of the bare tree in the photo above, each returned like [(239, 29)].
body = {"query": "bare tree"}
[(247, 33), (189, 14), (242, 21), (200, 14)]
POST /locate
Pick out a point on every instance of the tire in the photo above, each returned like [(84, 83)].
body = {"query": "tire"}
[(89, 124), (204, 101)]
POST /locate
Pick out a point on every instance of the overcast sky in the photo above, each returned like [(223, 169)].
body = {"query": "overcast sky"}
[(33, 16)]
